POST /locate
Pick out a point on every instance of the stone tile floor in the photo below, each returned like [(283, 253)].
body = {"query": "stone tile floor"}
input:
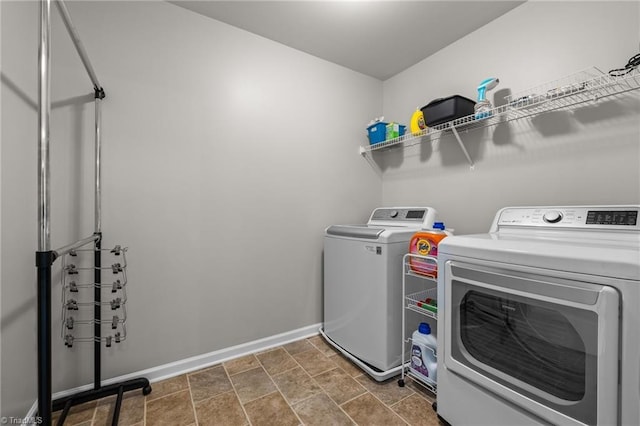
[(303, 382)]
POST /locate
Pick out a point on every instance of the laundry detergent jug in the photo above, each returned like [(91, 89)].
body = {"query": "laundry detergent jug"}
[(424, 362), (425, 243)]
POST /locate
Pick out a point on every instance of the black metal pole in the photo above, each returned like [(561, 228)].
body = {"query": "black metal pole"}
[(97, 312), (44, 260), (116, 410)]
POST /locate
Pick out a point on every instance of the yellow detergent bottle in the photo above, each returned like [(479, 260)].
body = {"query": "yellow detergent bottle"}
[(417, 125)]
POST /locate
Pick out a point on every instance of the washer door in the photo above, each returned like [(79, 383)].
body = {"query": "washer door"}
[(548, 345)]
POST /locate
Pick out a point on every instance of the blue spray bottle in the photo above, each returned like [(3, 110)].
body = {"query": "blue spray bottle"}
[(483, 106)]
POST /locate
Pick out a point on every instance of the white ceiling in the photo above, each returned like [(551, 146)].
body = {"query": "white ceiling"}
[(377, 38)]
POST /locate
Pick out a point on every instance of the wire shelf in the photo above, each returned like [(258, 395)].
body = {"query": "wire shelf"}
[(418, 302), (585, 86), (420, 266)]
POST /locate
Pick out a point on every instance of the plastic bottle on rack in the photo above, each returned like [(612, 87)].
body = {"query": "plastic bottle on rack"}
[(425, 243), (424, 362)]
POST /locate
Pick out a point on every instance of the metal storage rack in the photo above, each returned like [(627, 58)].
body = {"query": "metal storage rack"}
[(589, 85), (45, 256), (415, 302)]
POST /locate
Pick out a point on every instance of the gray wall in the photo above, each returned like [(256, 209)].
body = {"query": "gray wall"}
[(590, 155), (225, 155)]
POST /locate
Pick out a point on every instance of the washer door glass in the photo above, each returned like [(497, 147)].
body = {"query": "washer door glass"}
[(541, 338)]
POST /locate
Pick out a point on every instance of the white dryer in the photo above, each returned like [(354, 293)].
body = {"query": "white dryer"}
[(363, 286), (540, 318)]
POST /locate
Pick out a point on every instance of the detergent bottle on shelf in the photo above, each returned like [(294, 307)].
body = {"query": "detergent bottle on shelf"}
[(425, 243), (424, 361)]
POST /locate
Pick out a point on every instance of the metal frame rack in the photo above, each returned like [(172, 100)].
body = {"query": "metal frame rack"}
[(45, 256), (415, 302), (588, 85)]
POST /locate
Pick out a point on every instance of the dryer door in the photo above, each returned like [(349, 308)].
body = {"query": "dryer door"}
[(547, 344)]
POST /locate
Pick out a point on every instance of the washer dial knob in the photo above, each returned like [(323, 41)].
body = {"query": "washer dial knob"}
[(394, 213), (552, 216)]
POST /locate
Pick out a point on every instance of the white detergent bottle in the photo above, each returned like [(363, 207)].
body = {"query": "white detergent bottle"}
[(424, 363)]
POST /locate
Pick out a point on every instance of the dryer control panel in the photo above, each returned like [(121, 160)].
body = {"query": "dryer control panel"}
[(581, 217)]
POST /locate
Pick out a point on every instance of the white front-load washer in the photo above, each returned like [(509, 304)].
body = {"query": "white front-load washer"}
[(363, 286), (540, 318)]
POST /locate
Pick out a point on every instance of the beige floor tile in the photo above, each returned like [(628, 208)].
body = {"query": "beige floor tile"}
[(314, 362), (209, 382), (166, 387), (296, 385), (322, 345), (320, 410), (349, 367), (298, 346), (175, 409), (339, 385), (104, 416), (416, 411), (367, 410), (239, 365), (131, 410), (252, 384), (77, 414), (276, 361), (388, 391), (221, 410), (271, 410)]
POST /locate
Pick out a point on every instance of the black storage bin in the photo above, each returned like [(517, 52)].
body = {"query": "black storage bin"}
[(446, 109)]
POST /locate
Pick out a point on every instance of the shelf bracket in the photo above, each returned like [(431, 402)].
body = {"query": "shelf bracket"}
[(367, 155), (462, 147)]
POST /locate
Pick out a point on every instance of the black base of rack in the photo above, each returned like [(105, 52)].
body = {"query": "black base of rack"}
[(118, 389)]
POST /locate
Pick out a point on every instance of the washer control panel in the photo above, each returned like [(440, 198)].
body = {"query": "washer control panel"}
[(403, 216), (585, 217), (399, 214)]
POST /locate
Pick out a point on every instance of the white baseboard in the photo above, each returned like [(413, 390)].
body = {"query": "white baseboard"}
[(166, 371)]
